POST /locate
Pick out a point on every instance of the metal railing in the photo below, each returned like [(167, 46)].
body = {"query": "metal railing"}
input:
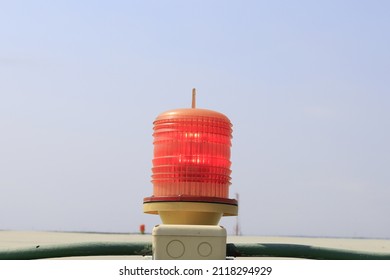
[(266, 250)]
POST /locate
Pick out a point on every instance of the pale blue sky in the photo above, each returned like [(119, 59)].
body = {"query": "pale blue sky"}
[(305, 84)]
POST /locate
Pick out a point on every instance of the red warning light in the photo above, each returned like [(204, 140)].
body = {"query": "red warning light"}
[(192, 153), (191, 159)]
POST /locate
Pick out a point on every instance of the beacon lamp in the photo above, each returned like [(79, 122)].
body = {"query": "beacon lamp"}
[(191, 179)]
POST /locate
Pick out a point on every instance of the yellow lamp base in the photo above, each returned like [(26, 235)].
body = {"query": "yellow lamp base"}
[(190, 213)]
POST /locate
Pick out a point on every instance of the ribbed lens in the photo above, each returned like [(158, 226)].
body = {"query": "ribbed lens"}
[(192, 154)]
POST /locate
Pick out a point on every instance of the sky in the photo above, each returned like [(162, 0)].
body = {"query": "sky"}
[(305, 84)]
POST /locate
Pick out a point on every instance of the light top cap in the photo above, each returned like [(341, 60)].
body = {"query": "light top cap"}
[(190, 113)]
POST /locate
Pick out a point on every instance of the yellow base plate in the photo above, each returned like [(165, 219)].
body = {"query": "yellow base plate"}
[(190, 213)]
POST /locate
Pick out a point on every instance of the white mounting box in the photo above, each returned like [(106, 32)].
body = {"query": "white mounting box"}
[(189, 242)]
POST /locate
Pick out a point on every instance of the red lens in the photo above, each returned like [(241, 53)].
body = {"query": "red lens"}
[(192, 154)]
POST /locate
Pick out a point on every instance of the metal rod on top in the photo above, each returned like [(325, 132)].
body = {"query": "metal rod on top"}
[(193, 98)]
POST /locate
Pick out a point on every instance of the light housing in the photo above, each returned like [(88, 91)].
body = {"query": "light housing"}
[(191, 167)]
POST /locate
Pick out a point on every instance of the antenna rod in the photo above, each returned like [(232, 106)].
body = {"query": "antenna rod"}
[(193, 98)]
